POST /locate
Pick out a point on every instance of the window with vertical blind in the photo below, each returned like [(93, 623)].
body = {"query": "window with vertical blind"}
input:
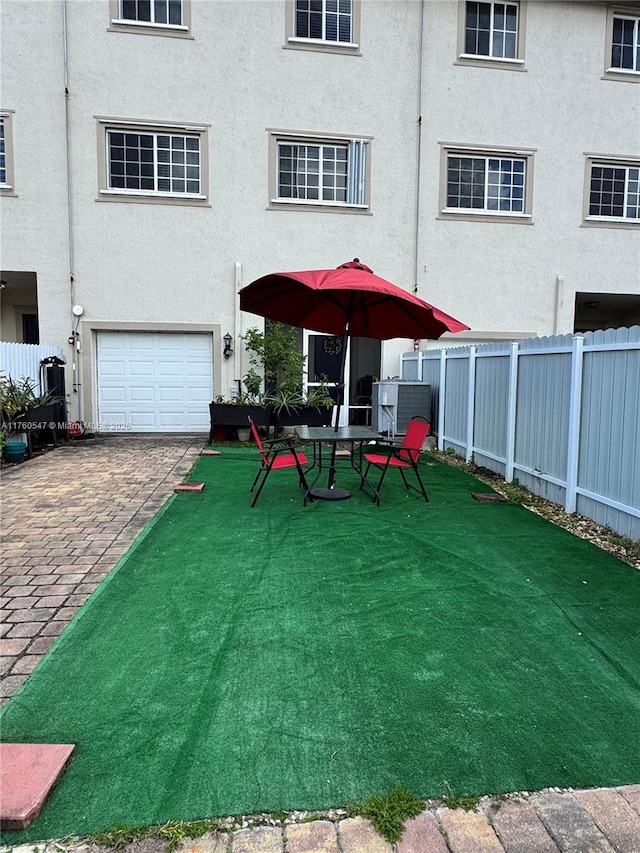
[(323, 172)]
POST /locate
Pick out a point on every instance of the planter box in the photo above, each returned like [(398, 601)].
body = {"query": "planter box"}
[(305, 415), (50, 420), (232, 415)]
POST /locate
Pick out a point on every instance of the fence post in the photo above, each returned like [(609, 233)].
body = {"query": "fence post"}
[(511, 413), (471, 402), (443, 376), (575, 407)]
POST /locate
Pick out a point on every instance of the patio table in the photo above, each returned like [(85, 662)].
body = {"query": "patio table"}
[(330, 437)]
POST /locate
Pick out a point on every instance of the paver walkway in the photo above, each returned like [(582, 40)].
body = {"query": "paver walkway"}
[(68, 516)]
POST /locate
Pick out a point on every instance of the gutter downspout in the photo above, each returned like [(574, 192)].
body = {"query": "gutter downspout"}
[(416, 237), (74, 338)]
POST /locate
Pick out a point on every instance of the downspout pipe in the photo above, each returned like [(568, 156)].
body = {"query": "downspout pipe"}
[(74, 338), (416, 237)]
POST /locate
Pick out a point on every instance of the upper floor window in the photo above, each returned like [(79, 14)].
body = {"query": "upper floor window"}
[(614, 191), (153, 163), (319, 172), (6, 155), (323, 24), (623, 44), (491, 32), (491, 183), (326, 20), (158, 17)]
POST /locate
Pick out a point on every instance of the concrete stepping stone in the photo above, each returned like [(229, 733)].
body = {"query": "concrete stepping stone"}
[(189, 487), (28, 772)]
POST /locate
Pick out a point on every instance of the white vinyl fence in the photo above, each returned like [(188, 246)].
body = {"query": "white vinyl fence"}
[(18, 360), (559, 414)]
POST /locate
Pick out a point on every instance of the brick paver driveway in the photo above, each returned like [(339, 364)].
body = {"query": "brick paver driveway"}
[(67, 517)]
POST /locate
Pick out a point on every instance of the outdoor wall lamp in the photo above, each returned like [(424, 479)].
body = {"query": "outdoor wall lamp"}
[(227, 351)]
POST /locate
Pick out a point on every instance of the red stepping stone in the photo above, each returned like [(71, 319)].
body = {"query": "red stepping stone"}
[(189, 487), (28, 772), (208, 452)]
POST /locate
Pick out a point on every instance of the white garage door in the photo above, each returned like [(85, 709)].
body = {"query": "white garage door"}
[(154, 381)]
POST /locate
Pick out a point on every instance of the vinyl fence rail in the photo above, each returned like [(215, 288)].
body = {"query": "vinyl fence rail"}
[(559, 414), (18, 360)]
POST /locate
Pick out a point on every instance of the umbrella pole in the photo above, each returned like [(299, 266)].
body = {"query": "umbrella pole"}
[(343, 364)]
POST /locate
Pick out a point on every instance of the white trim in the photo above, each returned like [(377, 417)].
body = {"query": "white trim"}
[(496, 150), (592, 496), (159, 126), (308, 137), (152, 194), (603, 159), (324, 42), (616, 219), (630, 71), (483, 57), (477, 211), (130, 22), (540, 475), (314, 202)]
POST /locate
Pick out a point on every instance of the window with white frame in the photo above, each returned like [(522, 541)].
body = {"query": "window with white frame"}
[(6, 155), (491, 32), (625, 43), (614, 192), (492, 183), (3, 154), (326, 20), (328, 172), (157, 17), (323, 24), (153, 163)]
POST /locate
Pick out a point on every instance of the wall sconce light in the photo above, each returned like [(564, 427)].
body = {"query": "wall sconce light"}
[(227, 351)]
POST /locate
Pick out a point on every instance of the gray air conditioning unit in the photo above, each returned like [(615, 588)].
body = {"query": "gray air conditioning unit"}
[(395, 402)]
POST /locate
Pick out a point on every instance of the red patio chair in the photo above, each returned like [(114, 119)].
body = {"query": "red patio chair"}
[(402, 456), (276, 455)]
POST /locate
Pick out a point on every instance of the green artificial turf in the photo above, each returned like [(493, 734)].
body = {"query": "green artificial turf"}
[(244, 660)]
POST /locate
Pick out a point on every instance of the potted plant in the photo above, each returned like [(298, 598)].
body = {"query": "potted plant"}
[(274, 359), (234, 412), (24, 410), (276, 354)]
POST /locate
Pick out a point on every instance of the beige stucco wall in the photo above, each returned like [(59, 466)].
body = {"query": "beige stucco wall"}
[(136, 263), (504, 276)]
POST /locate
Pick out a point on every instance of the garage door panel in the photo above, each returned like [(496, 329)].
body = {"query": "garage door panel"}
[(197, 420), (114, 395), (154, 381), (115, 368), (171, 370), (142, 394), (142, 368), (171, 395), (142, 421)]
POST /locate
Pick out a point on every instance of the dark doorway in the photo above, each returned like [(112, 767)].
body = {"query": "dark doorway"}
[(30, 330)]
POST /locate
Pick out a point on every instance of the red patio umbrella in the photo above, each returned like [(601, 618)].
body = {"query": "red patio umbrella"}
[(349, 301)]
